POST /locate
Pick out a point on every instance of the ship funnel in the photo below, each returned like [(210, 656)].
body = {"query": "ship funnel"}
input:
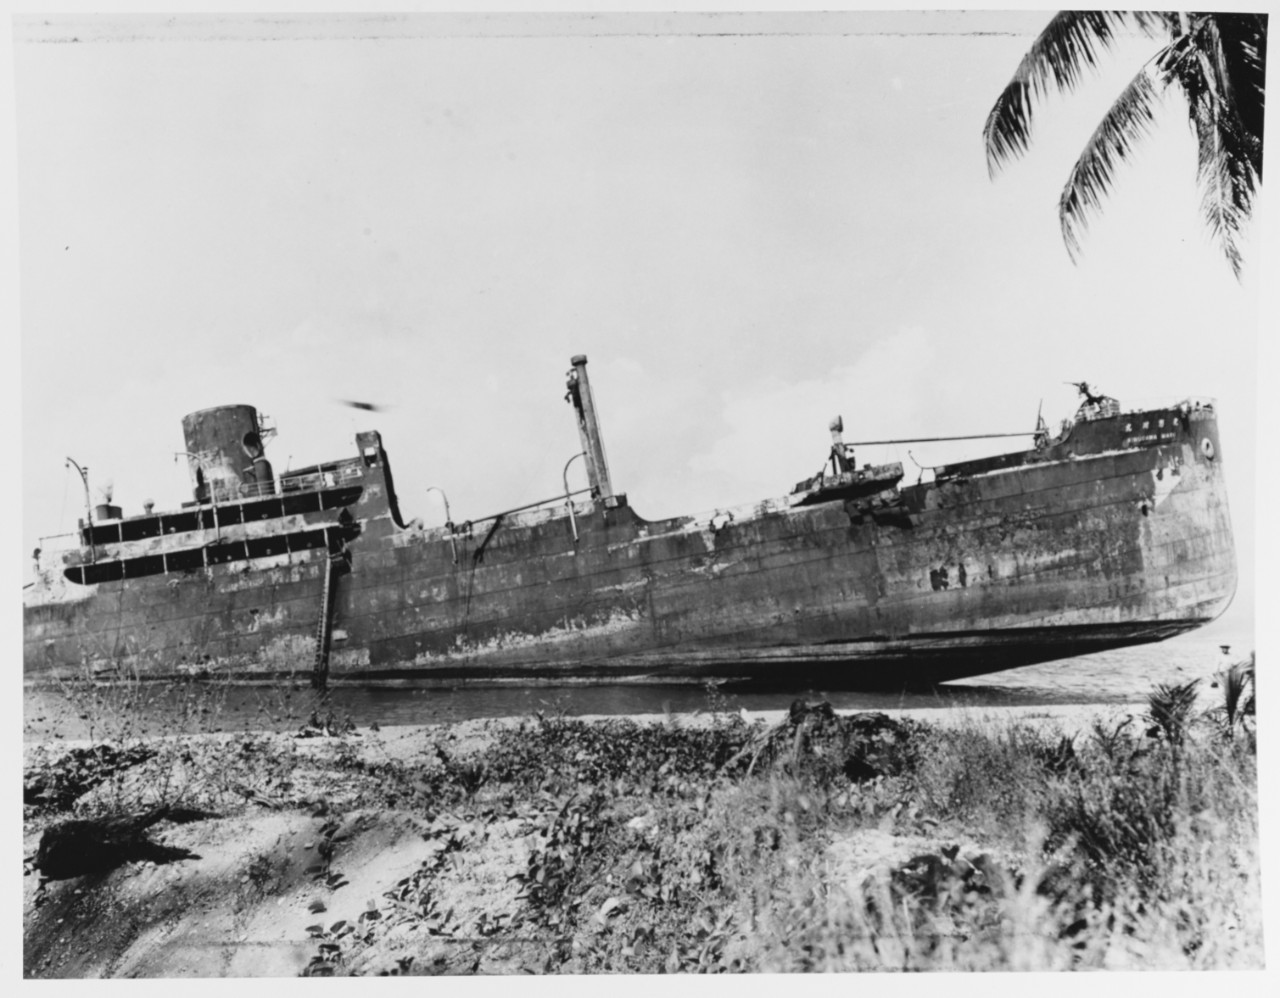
[(589, 429), (226, 453)]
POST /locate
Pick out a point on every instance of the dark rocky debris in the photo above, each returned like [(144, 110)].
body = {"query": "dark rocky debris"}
[(58, 785)]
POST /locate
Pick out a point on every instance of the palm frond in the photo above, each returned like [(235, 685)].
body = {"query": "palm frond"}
[(1238, 710), (1162, 23), (1128, 119), (1219, 63), (1169, 709), (1237, 692), (1231, 54), (1057, 58), (1226, 183), (1229, 153)]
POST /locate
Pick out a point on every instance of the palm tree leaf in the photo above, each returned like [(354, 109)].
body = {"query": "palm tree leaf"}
[(1229, 152), (1226, 180), (1129, 118), (1219, 63), (1169, 709), (1157, 22), (1225, 114), (1068, 44), (1239, 46)]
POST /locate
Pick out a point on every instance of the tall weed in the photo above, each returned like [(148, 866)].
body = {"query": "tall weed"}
[(991, 780)]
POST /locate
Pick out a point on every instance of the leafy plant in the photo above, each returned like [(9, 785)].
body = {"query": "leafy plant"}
[(555, 864), (559, 755), (1238, 710), (55, 784), (1169, 710), (1113, 741)]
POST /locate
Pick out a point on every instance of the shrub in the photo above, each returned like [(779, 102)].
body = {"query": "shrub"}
[(1238, 710), (559, 754), (1169, 708)]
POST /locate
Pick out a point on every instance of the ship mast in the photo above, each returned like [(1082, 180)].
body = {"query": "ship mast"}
[(589, 430), (88, 510)]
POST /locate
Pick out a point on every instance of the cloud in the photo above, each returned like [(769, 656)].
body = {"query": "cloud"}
[(777, 432)]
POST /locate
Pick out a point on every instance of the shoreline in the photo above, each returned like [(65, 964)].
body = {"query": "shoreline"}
[(1067, 719)]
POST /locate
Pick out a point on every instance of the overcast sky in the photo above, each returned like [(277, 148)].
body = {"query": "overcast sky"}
[(748, 223)]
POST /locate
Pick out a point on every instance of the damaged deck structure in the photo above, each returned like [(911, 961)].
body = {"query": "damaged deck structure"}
[(1113, 532)]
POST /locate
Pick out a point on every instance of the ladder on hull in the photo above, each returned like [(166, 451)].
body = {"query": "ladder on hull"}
[(334, 564)]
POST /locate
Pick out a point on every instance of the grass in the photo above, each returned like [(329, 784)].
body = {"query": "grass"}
[(823, 844), (1141, 859), (660, 849)]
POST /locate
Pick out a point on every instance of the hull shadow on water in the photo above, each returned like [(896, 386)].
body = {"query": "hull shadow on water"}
[(1117, 678), (94, 712)]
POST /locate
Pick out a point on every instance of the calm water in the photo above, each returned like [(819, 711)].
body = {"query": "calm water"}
[(1117, 677)]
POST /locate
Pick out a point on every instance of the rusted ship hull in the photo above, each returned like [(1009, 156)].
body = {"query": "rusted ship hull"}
[(1116, 533)]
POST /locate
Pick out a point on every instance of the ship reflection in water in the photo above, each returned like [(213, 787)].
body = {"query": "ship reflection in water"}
[(1116, 678)]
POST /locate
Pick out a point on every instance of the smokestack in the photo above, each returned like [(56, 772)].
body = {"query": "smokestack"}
[(589, 429)]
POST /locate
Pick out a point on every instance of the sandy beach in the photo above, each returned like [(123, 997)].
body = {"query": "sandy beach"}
[(416, 849)]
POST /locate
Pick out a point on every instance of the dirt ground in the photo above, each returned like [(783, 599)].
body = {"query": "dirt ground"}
[(295, 867)]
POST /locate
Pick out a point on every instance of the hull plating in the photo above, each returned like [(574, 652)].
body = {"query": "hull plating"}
[(1079, 549)]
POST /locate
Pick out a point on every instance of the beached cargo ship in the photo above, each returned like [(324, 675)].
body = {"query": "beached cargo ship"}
[(1114, 531)]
